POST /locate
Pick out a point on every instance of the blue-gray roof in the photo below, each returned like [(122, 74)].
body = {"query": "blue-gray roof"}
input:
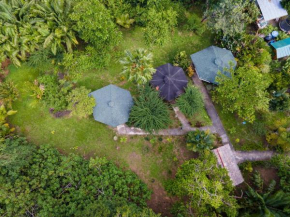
[(210, 60), (113, 105), (282, 47)]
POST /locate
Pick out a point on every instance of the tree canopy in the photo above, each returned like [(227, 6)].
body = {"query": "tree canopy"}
[(244, 92)]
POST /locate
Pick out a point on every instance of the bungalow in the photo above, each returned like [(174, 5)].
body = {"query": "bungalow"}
[(211, 60), (282, 48), (271, 9)]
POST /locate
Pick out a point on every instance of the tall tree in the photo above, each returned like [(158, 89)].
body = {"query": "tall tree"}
[(244, 92), (207, 187), (47, 183), (230, 16)]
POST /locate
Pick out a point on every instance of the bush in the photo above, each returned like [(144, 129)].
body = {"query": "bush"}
[(194, 24), (198, 141), (190, 102), (149, 112), (55, 93), (181, 59), (80, 102), (8, 93)]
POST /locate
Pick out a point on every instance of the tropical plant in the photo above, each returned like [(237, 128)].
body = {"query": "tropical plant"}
[(8, 93), (5, 129), (149, 112), (286, 4), (282, 163), (278, 135), (181, 59), (190, 102), (95, 25), (55, 25), (198, 141), (138, 66), (125, 21), (262, 202), (207, 187), (55, 91), (80, 102), (230, 17), (280, 101), (40, 59), (159, 25), (243, 92), (17, 35), (66, 185), (194, 23)]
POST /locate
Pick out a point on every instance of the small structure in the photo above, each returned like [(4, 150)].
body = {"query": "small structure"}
[(209, 61), (170, 81), (113, 105), (226, 159), (282, 48), (272, 9)]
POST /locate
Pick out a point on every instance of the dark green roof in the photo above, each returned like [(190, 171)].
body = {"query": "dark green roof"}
[(113, 105), (210, 60)]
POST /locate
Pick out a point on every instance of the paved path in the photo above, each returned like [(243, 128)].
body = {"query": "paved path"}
[(211, 111), (242, 156), (125, 130)]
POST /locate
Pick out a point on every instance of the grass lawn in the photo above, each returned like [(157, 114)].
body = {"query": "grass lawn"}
[(154, 159)]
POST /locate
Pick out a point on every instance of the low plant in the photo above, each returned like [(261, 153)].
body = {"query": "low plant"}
[(8, 93), (181, 59), (80, 103), (149, 112), (55, 92), (5, 129), (125, 21), (190, 71), (194, 24), (198, 141), (190, 102)]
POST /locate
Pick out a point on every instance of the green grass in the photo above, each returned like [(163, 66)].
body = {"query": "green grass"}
[(242, 136), (90, 138)]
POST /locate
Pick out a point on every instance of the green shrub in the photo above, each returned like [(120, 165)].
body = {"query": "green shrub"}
[(55, 93), (194, 24), (80, 102), (181, 59), (199, 141), (190, 102), (8, 93), (259, 128), (149, 112)]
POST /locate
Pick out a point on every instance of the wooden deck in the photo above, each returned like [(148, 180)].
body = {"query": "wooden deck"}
[(226, 159)]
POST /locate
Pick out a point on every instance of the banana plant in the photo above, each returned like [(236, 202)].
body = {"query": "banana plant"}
[(56, 25)]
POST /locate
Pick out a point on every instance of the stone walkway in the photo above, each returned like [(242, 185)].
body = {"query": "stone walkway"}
[(211, 111), (125, 130)]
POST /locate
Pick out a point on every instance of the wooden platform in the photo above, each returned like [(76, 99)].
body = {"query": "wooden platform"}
[(226, 159)]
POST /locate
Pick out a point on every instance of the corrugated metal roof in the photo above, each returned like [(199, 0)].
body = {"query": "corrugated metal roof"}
[(210, 60), (271, 9), (282, 48), (226, 159)]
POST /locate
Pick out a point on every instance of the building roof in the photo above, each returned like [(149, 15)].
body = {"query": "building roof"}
[(226, 159), (282, 47), (271, 9), (113, 105), (170, 81), (210, 60)]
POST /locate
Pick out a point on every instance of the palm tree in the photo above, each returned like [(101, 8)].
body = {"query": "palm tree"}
[(138, 66)]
